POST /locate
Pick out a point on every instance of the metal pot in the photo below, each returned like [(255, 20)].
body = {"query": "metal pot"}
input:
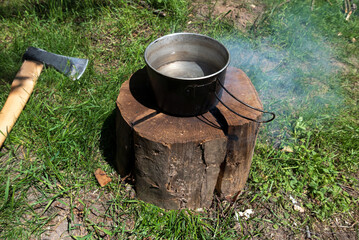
[(187, 72), (183, 70)]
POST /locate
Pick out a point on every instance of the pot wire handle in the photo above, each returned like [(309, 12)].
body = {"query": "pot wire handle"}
[(245, 104)]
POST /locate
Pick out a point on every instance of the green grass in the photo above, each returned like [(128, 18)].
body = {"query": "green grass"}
[(302, 67)]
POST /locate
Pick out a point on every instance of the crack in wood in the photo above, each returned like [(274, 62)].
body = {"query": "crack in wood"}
[(201, 146)]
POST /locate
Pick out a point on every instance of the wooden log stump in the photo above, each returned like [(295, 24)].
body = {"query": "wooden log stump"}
[(241, 133), (178, 162)]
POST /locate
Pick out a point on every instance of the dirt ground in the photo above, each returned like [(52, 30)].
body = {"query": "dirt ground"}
[(242, 13)]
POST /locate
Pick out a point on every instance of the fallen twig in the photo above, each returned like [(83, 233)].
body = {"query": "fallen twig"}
[(159, 13), (223, 15), (256, 22), (126, 177), (307, 231), (351, 226), (349, 8), (346, 6)]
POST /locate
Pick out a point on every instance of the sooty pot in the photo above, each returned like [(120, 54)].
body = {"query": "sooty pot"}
[(186, 71)]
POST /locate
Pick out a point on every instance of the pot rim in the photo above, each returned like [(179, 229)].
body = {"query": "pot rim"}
[(187, 33)]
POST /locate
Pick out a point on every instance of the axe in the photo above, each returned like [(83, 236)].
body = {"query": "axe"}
[(25, 80)]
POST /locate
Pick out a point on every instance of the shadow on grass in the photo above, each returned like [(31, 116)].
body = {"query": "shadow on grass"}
[(9, 65), (50, 9), (120, 159), (123, 163), (10, 9), (108, 139)]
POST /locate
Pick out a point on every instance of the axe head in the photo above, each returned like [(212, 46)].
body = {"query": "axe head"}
[(72, 67)]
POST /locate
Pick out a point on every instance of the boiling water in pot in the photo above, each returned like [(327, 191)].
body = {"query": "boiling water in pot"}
[(186, 69)]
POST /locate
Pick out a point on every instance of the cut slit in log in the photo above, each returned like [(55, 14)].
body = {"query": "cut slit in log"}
[(179, 162)]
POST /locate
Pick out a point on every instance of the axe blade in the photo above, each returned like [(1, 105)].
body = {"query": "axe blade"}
[(70, 66)]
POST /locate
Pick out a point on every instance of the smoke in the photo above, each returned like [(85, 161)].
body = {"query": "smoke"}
[(294, 71)]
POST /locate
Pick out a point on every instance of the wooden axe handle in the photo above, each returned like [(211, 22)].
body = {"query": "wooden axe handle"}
[(21, 89)]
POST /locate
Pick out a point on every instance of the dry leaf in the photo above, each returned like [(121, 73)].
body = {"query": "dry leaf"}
[(246, 214), (287, 149), (101, 177), (298, 208)]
